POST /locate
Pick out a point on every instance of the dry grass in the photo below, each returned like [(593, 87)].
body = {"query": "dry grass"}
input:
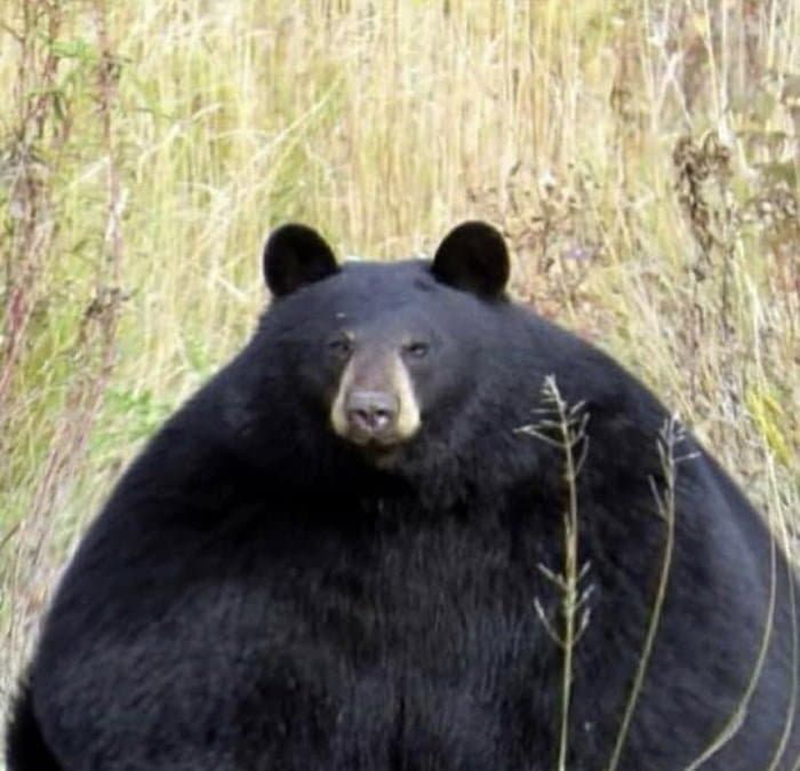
[(641, 157)]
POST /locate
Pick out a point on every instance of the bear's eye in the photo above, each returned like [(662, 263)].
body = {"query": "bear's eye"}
[(341, 347), (416, 349)]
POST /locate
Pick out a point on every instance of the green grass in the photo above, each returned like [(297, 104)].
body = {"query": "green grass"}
[(147, 148)]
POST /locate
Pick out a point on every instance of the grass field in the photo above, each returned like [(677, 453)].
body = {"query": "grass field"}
[(642, 158)]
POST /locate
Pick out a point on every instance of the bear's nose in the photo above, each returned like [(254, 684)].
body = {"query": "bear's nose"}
[(371, 413)]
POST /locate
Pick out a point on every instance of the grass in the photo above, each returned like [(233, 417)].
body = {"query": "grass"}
[(642, 159)]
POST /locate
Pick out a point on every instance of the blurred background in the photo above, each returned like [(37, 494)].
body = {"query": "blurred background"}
[(642, 159)]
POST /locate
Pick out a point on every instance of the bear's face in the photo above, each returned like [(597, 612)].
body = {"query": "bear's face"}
[(382, 347)]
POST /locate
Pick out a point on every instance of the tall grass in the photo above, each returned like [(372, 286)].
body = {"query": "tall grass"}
[(641, 157)]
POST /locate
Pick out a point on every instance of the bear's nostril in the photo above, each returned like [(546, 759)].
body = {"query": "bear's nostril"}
[(371, 412)]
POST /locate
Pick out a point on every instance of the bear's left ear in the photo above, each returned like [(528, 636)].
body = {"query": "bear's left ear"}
[(473, 257), (296, 255)]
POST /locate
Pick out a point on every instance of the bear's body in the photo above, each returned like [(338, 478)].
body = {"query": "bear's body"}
[(319, 565)]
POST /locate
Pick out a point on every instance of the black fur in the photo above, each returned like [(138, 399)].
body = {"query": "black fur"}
[(257, 594), (27, 748)]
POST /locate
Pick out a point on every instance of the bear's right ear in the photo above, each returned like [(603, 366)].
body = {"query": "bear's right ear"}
[(296, 255), (473, 257)]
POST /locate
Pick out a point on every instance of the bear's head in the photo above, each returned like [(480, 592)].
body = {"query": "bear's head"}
[(386, 354)]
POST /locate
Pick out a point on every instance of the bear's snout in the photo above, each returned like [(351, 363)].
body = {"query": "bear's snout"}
[(372, 414), (375, 405)]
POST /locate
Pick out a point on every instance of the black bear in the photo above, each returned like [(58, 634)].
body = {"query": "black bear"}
[(414, 527)]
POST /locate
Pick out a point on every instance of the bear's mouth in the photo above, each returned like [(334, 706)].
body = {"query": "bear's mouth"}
[(381, 452), (379, 439)]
